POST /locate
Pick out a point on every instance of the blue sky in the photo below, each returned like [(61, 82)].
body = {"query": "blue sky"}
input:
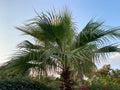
[(17, 12)]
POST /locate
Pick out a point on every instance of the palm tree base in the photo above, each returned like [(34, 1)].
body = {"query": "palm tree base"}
[(65, 78)]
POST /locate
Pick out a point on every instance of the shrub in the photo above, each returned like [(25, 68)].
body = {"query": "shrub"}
[(23, 85), (102, 87)]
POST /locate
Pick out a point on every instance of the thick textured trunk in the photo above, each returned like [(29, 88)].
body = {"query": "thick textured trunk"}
[(80, 77), (66, 81)]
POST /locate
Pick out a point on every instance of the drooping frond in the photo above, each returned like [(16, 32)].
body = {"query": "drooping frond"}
[(108, 49), (94, 32), (105, 52), (34, 31), (22, 62), (28, 45)]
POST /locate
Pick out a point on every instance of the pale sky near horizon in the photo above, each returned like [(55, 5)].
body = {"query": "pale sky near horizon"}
[(15, 13)]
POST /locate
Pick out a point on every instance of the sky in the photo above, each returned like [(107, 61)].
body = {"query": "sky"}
[(16, 12)]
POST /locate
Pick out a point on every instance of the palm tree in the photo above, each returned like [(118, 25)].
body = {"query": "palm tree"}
[(58, 46)]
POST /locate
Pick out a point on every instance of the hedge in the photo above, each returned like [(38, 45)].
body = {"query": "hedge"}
[(23, 85)]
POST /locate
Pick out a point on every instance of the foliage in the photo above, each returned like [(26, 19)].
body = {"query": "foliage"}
[(23, 85), (107, 74), (49, 81), (104, 79), (103, 84), (102, 87)]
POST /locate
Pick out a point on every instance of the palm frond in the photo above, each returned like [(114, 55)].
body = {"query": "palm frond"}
[(22, 62), (108, 49), (28, 45), (94, 32)]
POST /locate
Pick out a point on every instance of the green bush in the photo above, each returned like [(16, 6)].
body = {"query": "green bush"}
[(105, 83), (23, 85), (102, 87)]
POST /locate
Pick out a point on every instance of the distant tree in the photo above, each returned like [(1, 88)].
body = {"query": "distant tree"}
[(104, 71), (106, 74), (115, 74)]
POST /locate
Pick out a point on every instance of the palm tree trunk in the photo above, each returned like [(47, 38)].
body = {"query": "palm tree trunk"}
[(80, 77), (66, 81)]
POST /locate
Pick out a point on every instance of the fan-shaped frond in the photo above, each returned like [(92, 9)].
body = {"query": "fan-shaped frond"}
[(94, 32), (22, 62), (28, 45)]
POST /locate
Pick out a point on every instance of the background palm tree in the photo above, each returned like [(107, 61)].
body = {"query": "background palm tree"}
[(58, 46)]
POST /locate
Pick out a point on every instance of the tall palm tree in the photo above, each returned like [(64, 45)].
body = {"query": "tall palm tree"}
[(58, 46)]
